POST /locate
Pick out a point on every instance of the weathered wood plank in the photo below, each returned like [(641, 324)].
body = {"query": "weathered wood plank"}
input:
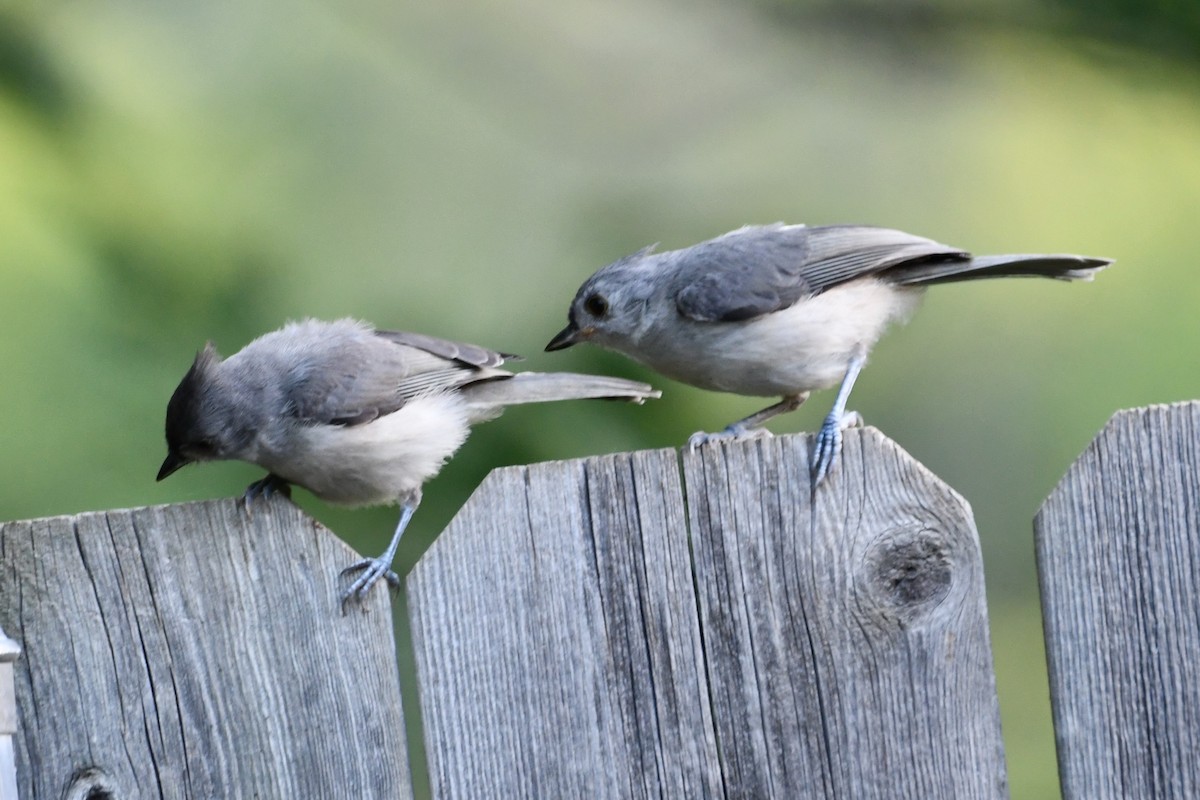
[(556, 638), (1118, 546), (566, 643), (188, 651), (847, 639)]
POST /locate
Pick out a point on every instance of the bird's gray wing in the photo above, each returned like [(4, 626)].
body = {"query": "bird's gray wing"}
[(470, 354), (378, 374), (756, 270)]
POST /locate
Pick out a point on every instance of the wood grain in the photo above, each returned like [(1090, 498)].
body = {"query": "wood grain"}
[(846, 636), (556, 638), (1118, 545), (582, 630), (190, 651)]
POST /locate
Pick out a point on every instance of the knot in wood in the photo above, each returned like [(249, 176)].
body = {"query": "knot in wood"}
[(908, 573), (91, 783)]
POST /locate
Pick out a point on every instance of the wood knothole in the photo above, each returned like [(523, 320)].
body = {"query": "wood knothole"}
[(907, 573), (91, 783)]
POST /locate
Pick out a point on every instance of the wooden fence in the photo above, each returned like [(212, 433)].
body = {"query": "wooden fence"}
[(636, 625)]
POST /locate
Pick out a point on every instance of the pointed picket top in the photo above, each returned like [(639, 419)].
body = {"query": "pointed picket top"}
[(193, 650), (1118, 545), (659, 624)]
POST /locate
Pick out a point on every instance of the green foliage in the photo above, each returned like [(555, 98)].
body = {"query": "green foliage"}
[(1165, 27)]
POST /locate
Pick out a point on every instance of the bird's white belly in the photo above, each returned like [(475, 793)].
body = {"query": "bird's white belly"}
[(380, 462), (801, 348)]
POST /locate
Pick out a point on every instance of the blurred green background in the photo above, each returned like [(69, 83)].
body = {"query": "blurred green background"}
[(172, 172)]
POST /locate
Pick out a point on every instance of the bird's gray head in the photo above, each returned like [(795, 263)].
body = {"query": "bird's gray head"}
[(203, 423), (611, 305)]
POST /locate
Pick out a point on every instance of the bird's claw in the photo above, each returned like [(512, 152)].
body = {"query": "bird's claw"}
[(266, 488), (732, 433), (829, 444), (372, 570)]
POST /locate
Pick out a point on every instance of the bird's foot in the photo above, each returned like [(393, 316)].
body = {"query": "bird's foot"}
[(829, 444), (372, 570), (732, 433), (266, 488)]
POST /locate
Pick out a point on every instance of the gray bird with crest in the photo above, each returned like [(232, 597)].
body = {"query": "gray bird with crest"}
[(355, 415), (779, 310)]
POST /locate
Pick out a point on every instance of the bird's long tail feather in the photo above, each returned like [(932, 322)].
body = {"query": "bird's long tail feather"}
[(490, 396), (1060, 267)]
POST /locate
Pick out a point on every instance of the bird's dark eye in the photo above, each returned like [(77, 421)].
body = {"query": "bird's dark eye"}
[(596, 305)]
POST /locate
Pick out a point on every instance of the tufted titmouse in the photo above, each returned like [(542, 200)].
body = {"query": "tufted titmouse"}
[(778, 310), (355, 415)]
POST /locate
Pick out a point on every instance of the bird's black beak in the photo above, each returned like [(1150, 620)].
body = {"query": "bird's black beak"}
[(565, 338), (172, 462)]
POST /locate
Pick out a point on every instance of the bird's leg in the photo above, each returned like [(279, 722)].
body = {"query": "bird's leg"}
[(266, 488), (751, 426), (376, 568), (829, 440)]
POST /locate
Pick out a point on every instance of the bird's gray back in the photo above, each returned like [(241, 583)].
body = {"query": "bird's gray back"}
[(764, 268), (346, 373)]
